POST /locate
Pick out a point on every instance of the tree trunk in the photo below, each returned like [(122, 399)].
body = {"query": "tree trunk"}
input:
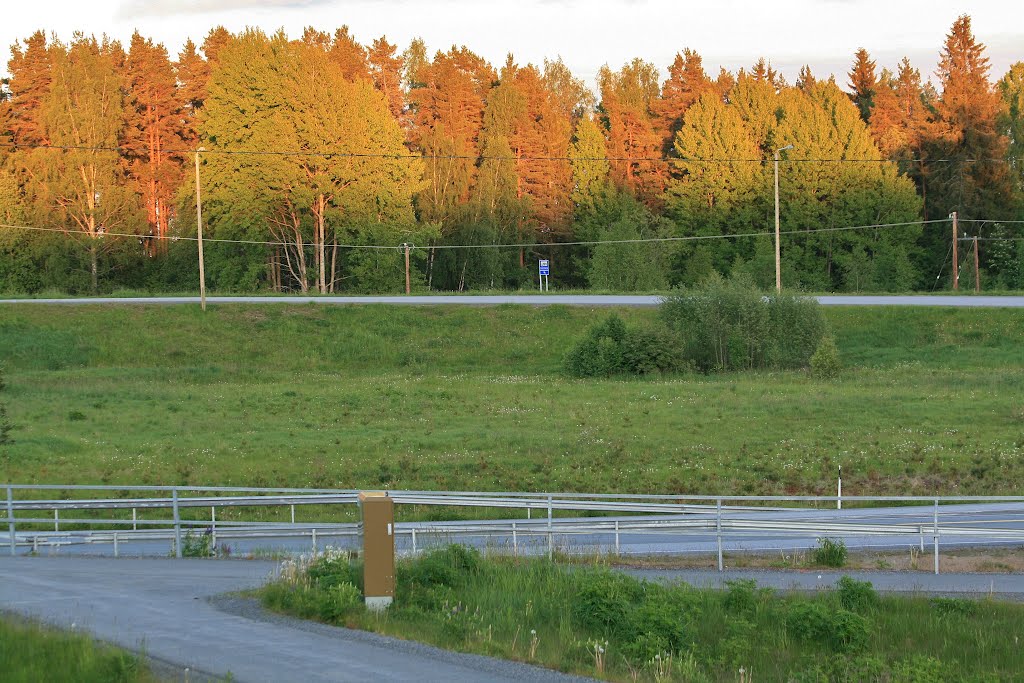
[(321, 247), (94, 270)]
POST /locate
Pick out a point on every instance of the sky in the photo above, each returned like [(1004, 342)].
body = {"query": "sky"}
[(823, 34)]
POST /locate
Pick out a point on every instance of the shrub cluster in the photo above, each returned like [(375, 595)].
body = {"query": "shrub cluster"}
[(611, 348), (830, 552), (647, 619), (729, 324)]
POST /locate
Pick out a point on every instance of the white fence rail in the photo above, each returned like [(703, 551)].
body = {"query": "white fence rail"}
[(93, 515)]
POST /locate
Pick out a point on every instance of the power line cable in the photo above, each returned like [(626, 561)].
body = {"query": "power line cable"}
[(640, 240), (483, 157)]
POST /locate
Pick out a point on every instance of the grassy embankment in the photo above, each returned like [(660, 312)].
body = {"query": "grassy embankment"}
[(31, 652), (932, 402), (595, 622)]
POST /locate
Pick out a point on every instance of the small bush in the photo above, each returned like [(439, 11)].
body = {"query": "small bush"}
[(338, 601), (825, 363), (610, 348), (740, 595), (449, 566), (839, 630), (950, 606), (731, 325), (197, 545), (604, 599), (830, 552), (330, 571), (856, 596)]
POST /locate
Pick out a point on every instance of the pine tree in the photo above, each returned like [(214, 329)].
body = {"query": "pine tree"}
[(967, 118), (192, 73), (386, 68), (449, 109), (349, 55), (685, 84), (31, 71), (863, 83), (634, 147), (155, 124), (1011, 89), (590, 171)]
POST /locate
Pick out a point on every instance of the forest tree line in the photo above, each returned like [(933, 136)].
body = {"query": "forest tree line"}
[(312, 147)]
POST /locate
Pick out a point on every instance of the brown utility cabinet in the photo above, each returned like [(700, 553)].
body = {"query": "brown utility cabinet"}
[(378, 511)]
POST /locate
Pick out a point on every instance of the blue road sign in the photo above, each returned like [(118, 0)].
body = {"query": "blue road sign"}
[(544, 267)]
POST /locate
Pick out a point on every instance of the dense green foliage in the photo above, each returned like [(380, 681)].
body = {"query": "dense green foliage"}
[(610, 348), (31, 652), (474, 398), (598, 622), (729, 324), (322, 156)]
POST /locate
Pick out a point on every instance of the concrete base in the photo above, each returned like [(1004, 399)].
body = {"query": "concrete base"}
[(378, 604)]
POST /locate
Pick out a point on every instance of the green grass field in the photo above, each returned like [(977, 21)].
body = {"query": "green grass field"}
[(596, 622), (31, 652), (931, 402)]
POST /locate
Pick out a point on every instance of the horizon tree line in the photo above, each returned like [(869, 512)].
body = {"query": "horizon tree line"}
[(316, 144)]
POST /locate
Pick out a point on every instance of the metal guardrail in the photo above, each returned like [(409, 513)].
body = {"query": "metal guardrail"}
[(720, 517)]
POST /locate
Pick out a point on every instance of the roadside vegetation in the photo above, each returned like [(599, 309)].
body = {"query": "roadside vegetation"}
[(598, 622), (927, 402), (31, 652)]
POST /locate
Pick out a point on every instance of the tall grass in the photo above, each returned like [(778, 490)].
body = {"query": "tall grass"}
[(593, 621), (31, 652), (475, 398)]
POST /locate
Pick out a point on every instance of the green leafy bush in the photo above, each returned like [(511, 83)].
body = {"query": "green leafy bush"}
[(449, 566), (830, 552), (330, 571), (604, 599), (839, 630), (856, 596), (825, 362), (610, 348), (729, 324), (339, 601)]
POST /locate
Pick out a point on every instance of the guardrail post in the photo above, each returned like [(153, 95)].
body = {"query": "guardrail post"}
[(551, 543), (414, 542), (936, 536), (10, 519), (515, 541), (56, 519), (921, 528), (177, 523), (213, 527), (617, 552), (135, 526), (293, 513), (718, 531), (116, 553), (314, 541)]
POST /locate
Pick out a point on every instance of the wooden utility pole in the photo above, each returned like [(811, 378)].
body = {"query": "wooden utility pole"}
[(199, 233), (956, 262), (977, 270)]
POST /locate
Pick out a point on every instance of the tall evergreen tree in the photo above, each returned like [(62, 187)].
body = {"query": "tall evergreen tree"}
[(686, 82), (154, 131), (634, 147), (1011, 89), (863, 83)]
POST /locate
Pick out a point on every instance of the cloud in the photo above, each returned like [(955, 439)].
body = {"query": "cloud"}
[(131, 9)]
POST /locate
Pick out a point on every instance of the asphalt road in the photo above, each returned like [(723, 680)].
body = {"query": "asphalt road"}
[(170, 609), (176, 611), (527, 299)]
